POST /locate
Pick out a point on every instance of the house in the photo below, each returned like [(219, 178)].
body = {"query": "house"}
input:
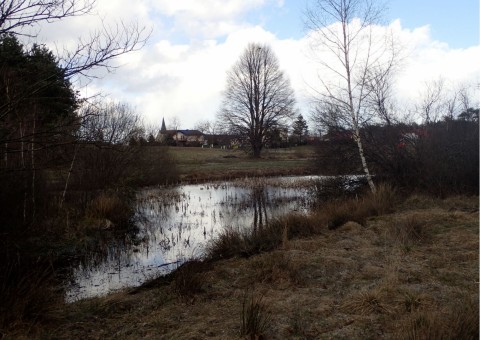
[(188, 137), (180, 137)]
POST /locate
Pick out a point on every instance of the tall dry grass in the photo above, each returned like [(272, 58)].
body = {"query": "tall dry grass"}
[(110, 207), (458, 322)]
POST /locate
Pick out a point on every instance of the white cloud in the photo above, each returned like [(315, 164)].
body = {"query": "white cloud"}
[(186, 77)]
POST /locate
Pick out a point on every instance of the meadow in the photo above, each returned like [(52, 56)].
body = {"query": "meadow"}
[(195, 164)]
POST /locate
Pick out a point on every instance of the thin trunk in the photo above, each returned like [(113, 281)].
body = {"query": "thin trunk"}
[(33, 164), (68, 176), (364, 161)]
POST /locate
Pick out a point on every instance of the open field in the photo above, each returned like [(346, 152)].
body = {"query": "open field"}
[(410, 274), (196, 163)]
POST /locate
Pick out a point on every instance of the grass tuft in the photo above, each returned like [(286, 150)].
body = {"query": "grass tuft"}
[(255, 316), (367, 302)]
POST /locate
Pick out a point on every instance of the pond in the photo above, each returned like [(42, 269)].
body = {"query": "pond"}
[(176, 224)]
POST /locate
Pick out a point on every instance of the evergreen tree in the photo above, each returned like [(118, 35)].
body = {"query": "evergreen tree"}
[(37, 112), (300, 130)]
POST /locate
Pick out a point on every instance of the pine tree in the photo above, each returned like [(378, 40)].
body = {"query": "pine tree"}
[(300, 130)]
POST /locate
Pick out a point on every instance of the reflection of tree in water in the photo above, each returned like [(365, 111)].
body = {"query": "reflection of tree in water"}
[(259, 203)]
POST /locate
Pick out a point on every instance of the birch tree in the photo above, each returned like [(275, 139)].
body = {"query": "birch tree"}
[(343, 33)]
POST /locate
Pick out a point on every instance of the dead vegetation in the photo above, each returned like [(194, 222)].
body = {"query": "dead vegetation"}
[(407, 274)]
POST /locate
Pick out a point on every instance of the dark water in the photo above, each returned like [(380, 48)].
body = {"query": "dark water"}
[(175, 224)]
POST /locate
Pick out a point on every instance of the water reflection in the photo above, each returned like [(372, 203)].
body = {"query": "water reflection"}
[(175, 225)]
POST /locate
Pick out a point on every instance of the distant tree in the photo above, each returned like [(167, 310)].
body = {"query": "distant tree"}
[(207, 127), (469, 115), (258, 97), (300, 130)]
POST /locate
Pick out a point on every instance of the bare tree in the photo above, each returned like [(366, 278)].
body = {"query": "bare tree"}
[(15, 15), (344, 30), (208, 127), (258, 97), (109, 123), (175, 123), (432, 101)]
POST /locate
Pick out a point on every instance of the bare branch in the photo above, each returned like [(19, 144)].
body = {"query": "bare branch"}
[(15, 15)]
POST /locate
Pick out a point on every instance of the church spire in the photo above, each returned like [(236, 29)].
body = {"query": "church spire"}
[(163, 128)]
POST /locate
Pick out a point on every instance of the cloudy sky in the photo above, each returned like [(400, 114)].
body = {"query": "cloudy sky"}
[(181, 70)]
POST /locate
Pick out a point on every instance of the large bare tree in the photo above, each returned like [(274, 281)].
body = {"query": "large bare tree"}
[(359, 58), (258, 97)]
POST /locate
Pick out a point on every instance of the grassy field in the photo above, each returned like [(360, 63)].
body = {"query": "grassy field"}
[(198, 164), (408, 274)]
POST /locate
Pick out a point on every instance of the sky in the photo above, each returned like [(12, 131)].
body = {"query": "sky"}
[(180, 73)]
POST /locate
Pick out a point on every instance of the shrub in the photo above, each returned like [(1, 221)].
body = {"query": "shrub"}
[(26, 290), (439, 158)]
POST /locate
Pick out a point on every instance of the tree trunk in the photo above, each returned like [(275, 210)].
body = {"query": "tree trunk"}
[(364, 161)]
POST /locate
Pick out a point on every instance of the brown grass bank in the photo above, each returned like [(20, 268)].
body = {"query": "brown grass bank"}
[(407, 273)]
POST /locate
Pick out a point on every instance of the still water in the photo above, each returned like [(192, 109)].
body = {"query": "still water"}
[(176, 224)]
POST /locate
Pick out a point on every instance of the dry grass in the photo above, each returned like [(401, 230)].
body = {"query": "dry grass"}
[(108, 210), (353, 282), (276, 267), (188, 280), (26, 292), (459, 322), (336, 213)]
